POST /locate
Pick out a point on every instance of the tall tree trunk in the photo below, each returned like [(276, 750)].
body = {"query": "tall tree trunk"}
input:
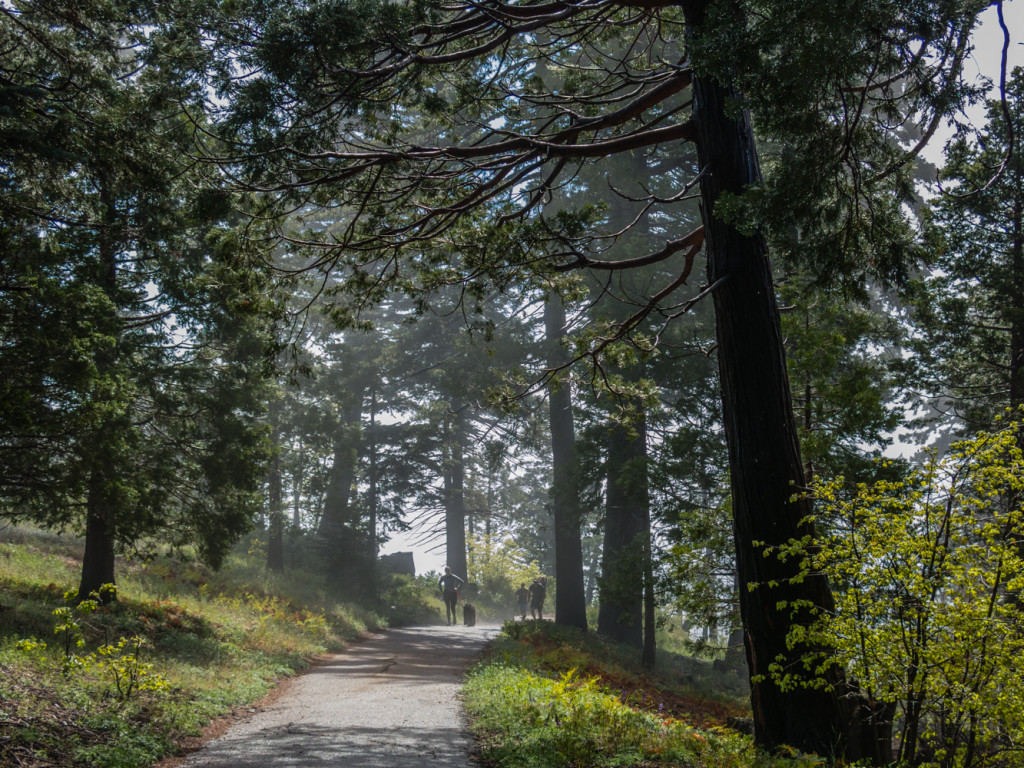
[(490, 510), (649, 652), (764, 457), (570, 606), (454, 496), (275, 505), (338, 530), (622, 568), (98, 557), (1017, 305), (275, 511), (297, 475), (98, 560), (373, 550), (594, 569)]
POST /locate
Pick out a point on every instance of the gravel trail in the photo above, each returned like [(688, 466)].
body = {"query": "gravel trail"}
[(388, 702)]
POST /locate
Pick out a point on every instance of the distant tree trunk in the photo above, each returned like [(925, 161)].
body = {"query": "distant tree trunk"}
[(98, 560), (275, 506), (764, 457), (338, 531), (808, 404), (371, 524), (275, 538), (1017, 305), (454, 496), (594, 569), (649, 652), (297, 475), (622, 570), (490, 508), (570, 605)]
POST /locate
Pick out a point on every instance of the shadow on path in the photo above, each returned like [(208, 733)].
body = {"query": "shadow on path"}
[(389, 701), (302, 745)]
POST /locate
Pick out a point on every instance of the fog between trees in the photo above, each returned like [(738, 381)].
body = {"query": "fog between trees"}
[(600, 285)]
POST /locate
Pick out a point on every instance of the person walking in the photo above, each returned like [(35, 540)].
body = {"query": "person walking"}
[(449, 585), (523, 600), (538, 591)]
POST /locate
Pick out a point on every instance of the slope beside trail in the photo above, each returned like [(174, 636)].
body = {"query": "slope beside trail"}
[(389, 700)]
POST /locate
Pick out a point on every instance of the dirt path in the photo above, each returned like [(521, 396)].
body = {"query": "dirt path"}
[(388, 702)]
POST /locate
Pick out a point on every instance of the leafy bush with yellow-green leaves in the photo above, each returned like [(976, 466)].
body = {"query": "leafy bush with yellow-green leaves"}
[(116, 661), (498, 568), (546, 696), (531, 721), (928, 576)]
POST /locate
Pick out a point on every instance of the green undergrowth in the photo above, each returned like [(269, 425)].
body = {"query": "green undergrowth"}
[(546, 696), (122, 685)]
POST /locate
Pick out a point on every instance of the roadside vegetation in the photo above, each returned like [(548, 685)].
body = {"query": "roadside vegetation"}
[(547, 695), (126, 683)]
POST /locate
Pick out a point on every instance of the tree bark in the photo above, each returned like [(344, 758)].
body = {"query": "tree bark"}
[(98, 559), (620, 616), (454, 496), (570, 605), (648, 654), (764, 457), (338, 530), (275, 538), (373, 551), (297, 476), (1017, 305)]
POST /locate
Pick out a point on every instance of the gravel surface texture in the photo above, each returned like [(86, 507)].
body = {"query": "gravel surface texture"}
[(389, 701)]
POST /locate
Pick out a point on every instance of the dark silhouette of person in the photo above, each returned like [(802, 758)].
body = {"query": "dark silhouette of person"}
[(523, 599), (449, 585), (538, 591)]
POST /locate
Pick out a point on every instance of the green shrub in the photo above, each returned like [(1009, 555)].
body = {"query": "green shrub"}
[(411, 599), (927, 574), (531, 711), (497, 568)]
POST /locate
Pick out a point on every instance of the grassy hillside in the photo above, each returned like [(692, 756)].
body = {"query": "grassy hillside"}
[(551, 697), (123, 685)]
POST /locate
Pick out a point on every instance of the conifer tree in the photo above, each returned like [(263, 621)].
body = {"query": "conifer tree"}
[(133, 338), (402, 115), (971, 305)]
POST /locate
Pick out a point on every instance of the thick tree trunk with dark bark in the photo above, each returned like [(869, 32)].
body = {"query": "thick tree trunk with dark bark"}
[(454, 496), (98, 559), (764, 457), (100, 538), (98, 562), (570, 606), (338, 529), (622, 567)]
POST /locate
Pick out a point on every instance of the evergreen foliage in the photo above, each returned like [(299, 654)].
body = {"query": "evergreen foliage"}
[(133, 330), (970, 306)]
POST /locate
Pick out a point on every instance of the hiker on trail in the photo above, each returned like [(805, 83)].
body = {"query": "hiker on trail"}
[(538, 591), (523, 600), (449, 585)]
